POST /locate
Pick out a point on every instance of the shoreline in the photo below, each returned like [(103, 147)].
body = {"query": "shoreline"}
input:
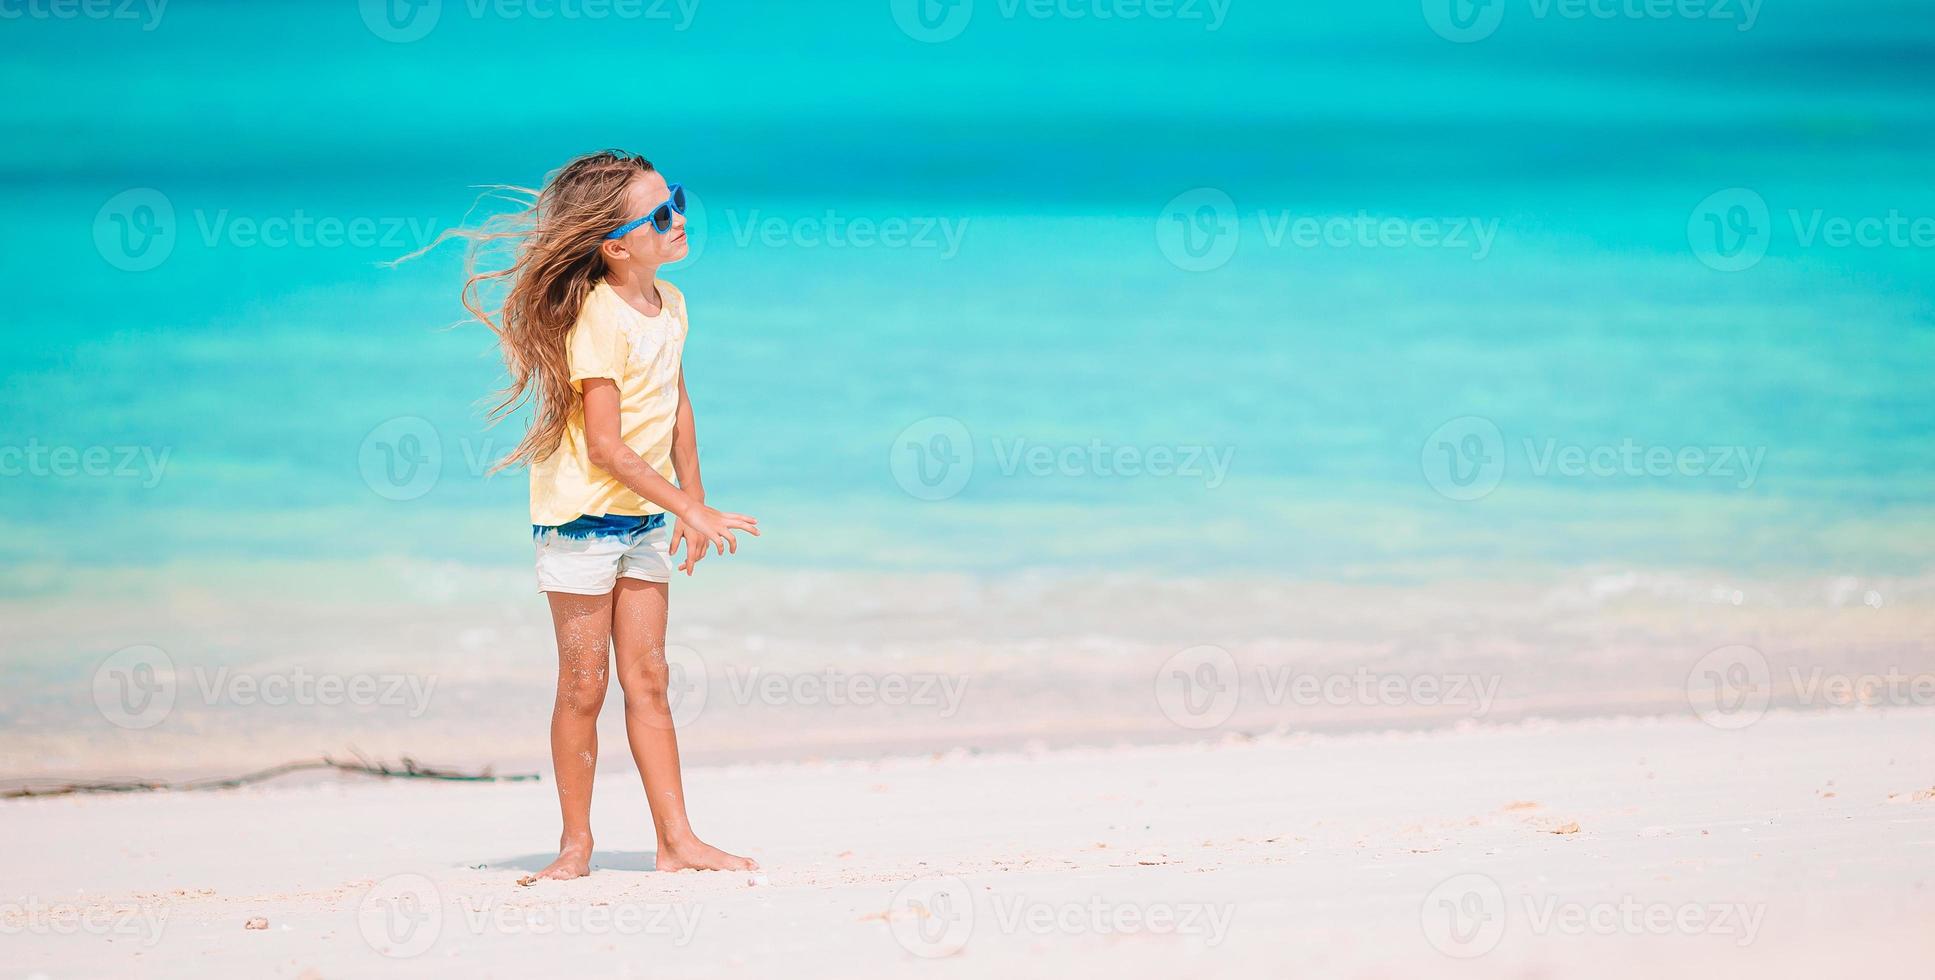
[(877, 749), (184, 680)]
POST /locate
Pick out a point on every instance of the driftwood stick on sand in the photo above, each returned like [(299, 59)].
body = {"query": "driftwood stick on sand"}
[(409, 769)]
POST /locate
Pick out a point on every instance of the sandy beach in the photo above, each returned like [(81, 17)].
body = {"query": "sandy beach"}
[(1801, 845)]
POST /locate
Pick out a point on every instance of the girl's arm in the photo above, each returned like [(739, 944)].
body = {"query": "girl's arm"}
[(699, 526), (685, 448), (685, 465)]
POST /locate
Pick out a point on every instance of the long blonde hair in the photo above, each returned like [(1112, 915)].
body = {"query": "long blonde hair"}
[(554, 264)]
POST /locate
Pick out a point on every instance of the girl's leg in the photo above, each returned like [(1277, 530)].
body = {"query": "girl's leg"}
[(638, 634), (583, 625)]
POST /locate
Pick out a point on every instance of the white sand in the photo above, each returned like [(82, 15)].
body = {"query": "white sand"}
[(1796, 847)]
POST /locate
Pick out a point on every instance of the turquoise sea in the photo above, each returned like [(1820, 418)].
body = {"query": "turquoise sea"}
[(1007, 240)]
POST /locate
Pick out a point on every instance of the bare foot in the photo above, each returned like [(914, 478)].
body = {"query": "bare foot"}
[(574, 861), (693, 854)]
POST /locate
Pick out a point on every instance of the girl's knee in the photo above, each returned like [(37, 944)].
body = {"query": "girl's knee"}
[(646, 683), (582, 692)]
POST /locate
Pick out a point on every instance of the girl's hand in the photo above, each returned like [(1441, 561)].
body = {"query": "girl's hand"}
[(702, 528)]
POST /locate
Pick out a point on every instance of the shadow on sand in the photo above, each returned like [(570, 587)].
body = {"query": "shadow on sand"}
[(600, 861)]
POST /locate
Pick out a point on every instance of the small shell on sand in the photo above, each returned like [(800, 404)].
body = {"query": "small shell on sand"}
[(256, 922), (1568, 828), (755, 880)]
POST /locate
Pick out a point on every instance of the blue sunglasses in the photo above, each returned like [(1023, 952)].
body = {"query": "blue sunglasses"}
[(660, 217)]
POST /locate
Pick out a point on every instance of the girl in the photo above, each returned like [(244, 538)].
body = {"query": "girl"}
[(593, 337)]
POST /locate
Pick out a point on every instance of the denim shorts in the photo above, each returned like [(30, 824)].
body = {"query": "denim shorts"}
[(589, 555)]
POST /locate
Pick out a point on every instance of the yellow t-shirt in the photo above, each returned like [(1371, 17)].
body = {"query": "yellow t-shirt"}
[(640, 353)]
